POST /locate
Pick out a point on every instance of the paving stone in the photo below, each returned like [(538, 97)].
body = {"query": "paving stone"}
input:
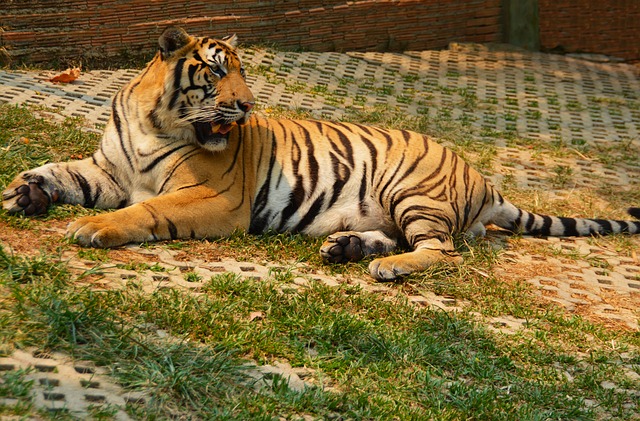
[(63, 385), (265, 375)]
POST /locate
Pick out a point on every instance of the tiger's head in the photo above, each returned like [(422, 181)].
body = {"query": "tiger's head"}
[(204, 92)]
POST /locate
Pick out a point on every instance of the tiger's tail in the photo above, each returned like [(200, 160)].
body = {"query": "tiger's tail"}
[(514, 219)]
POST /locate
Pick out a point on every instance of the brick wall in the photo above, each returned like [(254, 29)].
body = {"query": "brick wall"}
[(609, 27), (44, 30)]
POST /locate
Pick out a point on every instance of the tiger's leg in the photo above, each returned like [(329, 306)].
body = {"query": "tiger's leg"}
[(352, 246), (391, 267), (77, 182), (191, 213), (430, 237)]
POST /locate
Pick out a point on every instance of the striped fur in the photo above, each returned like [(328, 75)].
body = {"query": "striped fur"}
[(366, 188)]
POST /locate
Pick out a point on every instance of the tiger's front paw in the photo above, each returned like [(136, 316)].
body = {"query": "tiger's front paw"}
[(97, 231), (352, 246), (27, 195)]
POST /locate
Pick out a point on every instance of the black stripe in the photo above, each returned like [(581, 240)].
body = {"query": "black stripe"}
[(435, 191), (258, 224), (314, 167), (441, 236), (159, 147), (173, 231), (468, 205), (296, 198), (185, 157), (243, 194), (373, 154), (118, 123), (262, 198), (384, 133), (344, 141), (605, 226), (234, 161), (411, 169), (190, 186), (153, 115), (529, 224), (340, 182), (152, 212), (516, 224), (393, 172), (624, 226), (418, 212), (546, 225), (161, 157), (108, 174), (569, 225), (437, 171), (299, 194), (177, 79), (191, 71), (82, 182), (485, 201), (363, 191), (438, 221), (260, 215), (311, 214), (407, 136)]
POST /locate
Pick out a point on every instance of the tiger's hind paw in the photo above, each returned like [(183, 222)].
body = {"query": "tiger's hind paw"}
[(27, 197), (393, 267)]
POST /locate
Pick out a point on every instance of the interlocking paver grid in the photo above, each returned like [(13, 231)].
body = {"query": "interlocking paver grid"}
[(62, 386), (557, 100)]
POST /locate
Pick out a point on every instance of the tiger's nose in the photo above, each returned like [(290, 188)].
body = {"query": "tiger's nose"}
[(246, 106)]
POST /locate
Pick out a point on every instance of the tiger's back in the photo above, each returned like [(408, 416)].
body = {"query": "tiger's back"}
[(323, 177)]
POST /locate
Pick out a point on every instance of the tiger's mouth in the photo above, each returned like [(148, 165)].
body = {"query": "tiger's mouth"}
[(208, 133)]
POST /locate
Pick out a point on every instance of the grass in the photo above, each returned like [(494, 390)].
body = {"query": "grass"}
[(363, 353), (27, 140), (384, 359), (352, 340)]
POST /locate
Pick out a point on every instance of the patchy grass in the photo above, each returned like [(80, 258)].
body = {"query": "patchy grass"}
[(370, 358), (28, 140)]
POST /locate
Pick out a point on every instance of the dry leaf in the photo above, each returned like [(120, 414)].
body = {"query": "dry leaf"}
[(256, 315), (67, 76)]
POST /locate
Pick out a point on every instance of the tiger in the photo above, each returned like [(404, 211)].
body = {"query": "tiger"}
[(183, 156)]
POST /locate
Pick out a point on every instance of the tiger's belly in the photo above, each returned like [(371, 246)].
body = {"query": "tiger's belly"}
[(317, 216), (365, 216)]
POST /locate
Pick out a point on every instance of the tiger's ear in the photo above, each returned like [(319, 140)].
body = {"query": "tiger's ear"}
[(232, 40), (171, 40)]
